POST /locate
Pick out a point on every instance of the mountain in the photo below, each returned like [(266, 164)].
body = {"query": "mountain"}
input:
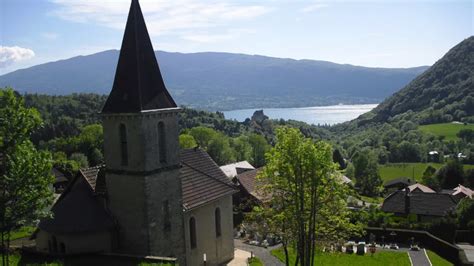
[(443, 93), (223, 81)]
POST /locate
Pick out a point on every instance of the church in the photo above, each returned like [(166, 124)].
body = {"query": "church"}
[(151, 198)]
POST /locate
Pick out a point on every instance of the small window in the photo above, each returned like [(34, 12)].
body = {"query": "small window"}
[(166, 215), (162, 142), (218, 222), (123, 144), (192, 232)]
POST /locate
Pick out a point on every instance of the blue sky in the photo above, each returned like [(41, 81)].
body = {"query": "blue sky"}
[(367, 33)]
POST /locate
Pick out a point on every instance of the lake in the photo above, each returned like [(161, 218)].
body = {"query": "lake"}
[(331, 115)]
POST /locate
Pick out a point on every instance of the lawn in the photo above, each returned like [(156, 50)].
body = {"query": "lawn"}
[(255, 262), (395, 170), (17, 259), (448, 130), (25, 231), (385, 258), (437, 260)]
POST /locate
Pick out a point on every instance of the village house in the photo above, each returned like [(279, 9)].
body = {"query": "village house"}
[(150, 198)]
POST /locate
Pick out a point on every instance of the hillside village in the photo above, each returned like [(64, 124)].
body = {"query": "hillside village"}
[(136, 178)]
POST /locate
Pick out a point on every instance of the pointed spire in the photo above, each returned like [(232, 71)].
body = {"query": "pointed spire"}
[(138, 83)]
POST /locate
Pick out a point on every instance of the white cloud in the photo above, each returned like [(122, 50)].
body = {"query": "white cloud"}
[(12, 54), (162, 16), (313, 7)]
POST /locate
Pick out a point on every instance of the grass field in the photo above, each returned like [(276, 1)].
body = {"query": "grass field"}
[(448, 130), (385, 258), (25, 231), (16, 259), (395, 170), (437, 260)]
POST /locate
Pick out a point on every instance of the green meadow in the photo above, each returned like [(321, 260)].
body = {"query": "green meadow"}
[(448, 130), (395, 170)]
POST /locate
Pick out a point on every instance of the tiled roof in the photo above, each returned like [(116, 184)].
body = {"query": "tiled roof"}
[(248, 181), (231, 170), (95, 177), (420, 187), (421, 203), (201, 179), (460, 189)]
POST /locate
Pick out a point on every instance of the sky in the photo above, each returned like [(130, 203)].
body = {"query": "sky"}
[(367, 33)]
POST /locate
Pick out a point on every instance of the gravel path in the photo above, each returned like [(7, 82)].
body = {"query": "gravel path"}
[(262, 253)]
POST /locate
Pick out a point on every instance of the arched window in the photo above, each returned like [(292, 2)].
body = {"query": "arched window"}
[(162, 142), (192, 232), (217, 218), (123, 144)]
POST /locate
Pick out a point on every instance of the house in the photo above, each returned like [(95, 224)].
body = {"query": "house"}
[(426, 206), (150, 198), (461, 192), (397, 184), (233, 169), (417, 187)]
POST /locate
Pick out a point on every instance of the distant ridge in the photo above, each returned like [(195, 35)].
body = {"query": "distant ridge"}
[(224, 81)]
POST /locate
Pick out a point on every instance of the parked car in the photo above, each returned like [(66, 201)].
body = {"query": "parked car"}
[(415, 247), (393, 246)]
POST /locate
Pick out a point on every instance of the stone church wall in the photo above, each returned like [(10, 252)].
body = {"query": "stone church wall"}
[(223, 246), (78, 243)]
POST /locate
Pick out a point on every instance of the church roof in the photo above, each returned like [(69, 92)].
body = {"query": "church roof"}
[(138, 84), (77, 210), (202, 180)]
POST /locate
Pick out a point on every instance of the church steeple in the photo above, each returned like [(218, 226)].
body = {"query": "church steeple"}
[(138, 84)]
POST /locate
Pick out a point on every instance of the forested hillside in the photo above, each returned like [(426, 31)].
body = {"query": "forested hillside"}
[(224, 81), (443, 93)]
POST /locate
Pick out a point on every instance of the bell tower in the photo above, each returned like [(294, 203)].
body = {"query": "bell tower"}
[(141, 150)]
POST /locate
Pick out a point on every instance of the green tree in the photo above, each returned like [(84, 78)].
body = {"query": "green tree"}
[(466, 134), (465, 212), (187, 141), (301, 178), (450, 175), (219, 149), (80, 158), (259, 147), (428, 177), (337, 158), (243, 149), (25, 173), (366, 173), (203, 135)]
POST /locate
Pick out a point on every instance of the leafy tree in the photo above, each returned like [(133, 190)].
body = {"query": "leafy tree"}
[(80, 158), (203, 135), (187, 141), (259, 148), (428, 177), (450, 175), (301, 178), (350, 171), (366, 173), (219, 149), (25, 173), (243, 149), (470, 178), (337, 158), (466, 134), (465, 212)]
